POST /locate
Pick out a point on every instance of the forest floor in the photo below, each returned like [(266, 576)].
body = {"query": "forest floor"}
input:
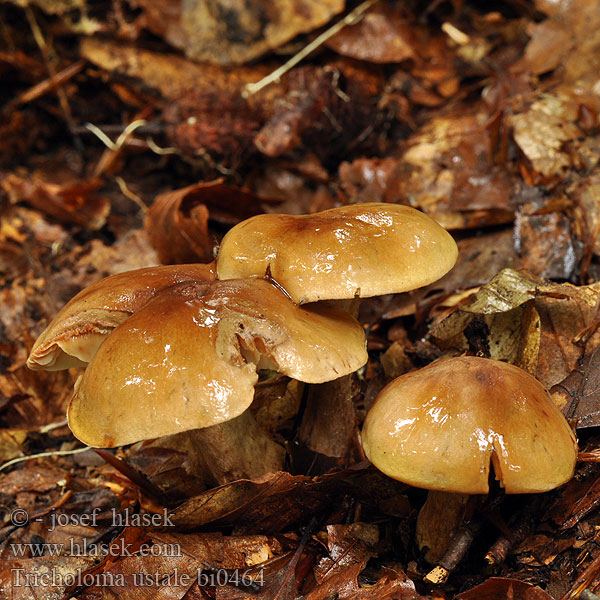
[(131, 135)]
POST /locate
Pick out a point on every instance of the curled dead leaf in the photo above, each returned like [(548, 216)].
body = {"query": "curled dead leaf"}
[(177, 223)]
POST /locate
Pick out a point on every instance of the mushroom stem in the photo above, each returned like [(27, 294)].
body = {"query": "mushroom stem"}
[(329, 421), (236, 449), (438, 521)]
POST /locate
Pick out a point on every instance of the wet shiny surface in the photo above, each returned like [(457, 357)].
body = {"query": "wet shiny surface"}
[(181, 362), (441, 428), (73, 336), (369, 249)]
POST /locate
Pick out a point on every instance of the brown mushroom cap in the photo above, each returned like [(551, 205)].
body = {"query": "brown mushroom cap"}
[(360, 250), (73, 336), (439, 428), (188, 359)]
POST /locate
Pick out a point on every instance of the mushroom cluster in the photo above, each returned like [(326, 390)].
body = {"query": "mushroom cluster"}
[(443, 427), (172, 349), (339, 255)]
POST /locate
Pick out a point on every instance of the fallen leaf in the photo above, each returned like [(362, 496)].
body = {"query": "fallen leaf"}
[(542, 131), (222, 33), (447, 171), (546, 244), (273, 502), (348, 545), (177, 225), (392, 585), (337, 101), (502, 588), (23, 579), (526, 321), (576, 500), (381, 36), (578, 395), (70, 202)]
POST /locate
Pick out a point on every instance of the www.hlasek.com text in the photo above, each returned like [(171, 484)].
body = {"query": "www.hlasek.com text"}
[(117, 548)]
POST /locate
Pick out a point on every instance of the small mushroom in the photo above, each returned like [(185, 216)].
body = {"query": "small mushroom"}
[(74, 335), (443, 427), (350, 252), (361, 250)]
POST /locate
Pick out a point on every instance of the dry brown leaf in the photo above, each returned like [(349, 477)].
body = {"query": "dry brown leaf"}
[(393, 585), (578, 395), (11, 443), (224, 33), (545, 244), (550, 42), (336, 102), (528, 322), (61, 570), (381, 36), (577, 499), (501, 588), (33, 478), (448, 172), (348, 545), (177, 225), (274, 501), (171, 74), (585, 193), (69, 201), (542, 131)]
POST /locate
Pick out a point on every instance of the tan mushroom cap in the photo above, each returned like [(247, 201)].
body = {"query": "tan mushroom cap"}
[(188, 359), (440, 427), (74, 335), (360, 250)]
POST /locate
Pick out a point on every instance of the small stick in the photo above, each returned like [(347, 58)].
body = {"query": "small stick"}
[(60, 92), (458, 547), (39, 89), (350, 19), (583, 582), (497, 554)]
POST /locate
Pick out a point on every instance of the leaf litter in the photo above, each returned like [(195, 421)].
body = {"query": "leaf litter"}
[(487, 119)]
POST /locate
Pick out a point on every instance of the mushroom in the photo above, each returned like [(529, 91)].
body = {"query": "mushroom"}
[(188, 359), (74, 335), (350, 252), (443, 427), (361, 250)]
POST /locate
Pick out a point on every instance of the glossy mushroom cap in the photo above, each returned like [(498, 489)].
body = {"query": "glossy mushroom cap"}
[(188, 359), (359, 250), (74, 335), (440, 427)]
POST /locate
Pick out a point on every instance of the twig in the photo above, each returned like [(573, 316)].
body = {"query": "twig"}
[(584, 581), (350, 19), (48, 60), (458, 547), (498, 552), (14, 461), (50, 84), (52, 426)]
